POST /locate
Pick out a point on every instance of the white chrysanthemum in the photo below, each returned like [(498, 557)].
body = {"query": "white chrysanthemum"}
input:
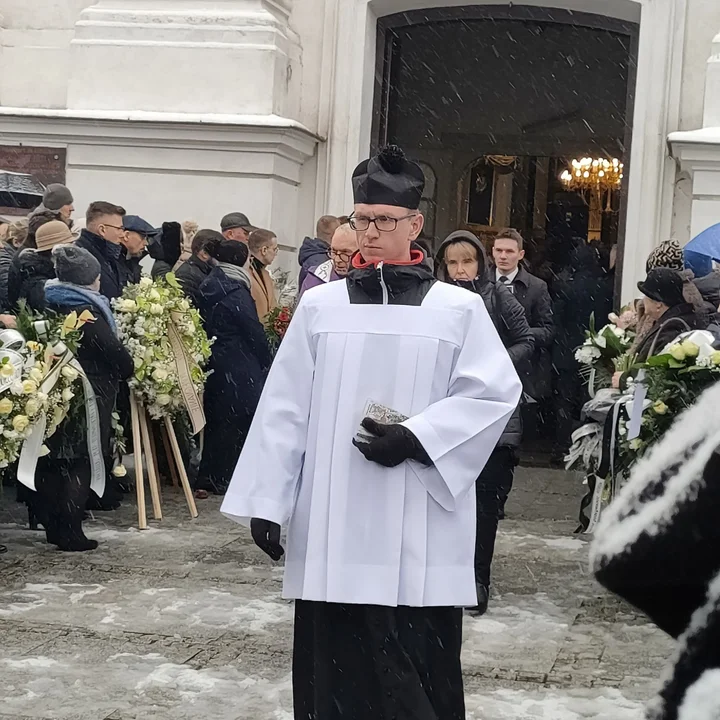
[(587, 354)]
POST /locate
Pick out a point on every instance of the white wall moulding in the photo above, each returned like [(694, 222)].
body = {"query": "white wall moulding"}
[(711, 116), (698, 154), (217, 56), (166, 166), (35, 51), (656, 113)]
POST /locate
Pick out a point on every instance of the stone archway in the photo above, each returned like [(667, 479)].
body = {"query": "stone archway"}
[(656, 112)]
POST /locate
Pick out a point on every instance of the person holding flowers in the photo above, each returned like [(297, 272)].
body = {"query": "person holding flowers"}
[(240, 362), (63, 476)]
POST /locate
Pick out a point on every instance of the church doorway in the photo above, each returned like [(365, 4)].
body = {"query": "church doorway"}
[(497, 102), (503, 106)]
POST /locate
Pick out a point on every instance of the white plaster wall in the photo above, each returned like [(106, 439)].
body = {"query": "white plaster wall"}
[(703, 24), (35, 40)]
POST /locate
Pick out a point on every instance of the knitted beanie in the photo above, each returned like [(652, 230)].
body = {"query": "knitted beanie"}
[(51, 234), (667, 254), (56, 196), (75, 265)]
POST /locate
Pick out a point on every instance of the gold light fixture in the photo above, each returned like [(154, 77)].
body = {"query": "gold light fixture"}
[(594, 174), (594, 178)]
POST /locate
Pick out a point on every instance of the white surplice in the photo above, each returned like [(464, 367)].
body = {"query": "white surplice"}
[(359, 532)]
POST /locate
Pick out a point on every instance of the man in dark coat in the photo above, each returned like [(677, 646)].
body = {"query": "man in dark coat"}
[(193, 272), (240, 362), (236, 226), (532, 293), (314, 251), (138, 234), (461, 260), (586, 292), (103, 238), (665, 304)]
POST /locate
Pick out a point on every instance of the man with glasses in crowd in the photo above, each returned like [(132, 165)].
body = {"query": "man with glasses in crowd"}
[(387, 396), (343, 246), (104, 237)]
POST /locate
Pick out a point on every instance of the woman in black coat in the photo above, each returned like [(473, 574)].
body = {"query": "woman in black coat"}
[(240, 362), (32, 266), (63, 477), (461, 260), (665, 304)]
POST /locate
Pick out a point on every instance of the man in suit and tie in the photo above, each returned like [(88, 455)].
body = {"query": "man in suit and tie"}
[(533, 295)]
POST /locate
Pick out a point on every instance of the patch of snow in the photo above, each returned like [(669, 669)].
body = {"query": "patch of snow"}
[(606, 704), (559, 543), (156, 591), (111, 615), (511, 626), (486, 625), (187, 681), (17, 608), (565, 543), (92, 590), (36, 662), (146, 656)]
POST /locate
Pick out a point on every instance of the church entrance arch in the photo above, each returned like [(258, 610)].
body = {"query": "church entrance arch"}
[(656, 27)]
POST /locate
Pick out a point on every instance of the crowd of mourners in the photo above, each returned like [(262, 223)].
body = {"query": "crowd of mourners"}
[(49, 263)]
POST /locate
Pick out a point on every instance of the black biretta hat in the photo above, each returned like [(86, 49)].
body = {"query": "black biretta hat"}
[(389, 178)]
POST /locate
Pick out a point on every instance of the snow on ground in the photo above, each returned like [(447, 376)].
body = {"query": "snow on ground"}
[(552, 705), (185, 620)]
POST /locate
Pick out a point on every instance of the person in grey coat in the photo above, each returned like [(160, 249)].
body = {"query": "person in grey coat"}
[(461, 260)]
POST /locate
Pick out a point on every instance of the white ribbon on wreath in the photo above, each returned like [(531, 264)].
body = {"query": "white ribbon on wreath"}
[(32, 446)]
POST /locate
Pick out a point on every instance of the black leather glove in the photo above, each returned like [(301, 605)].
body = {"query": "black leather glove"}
[(393, 444), (266, 535)]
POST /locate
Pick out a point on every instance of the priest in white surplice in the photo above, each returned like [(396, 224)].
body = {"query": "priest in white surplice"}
[(381, 533)]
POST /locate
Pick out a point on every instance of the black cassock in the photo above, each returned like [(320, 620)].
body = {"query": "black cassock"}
[(368, 662)]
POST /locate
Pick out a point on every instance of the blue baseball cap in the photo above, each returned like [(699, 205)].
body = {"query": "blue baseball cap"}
[(134, 223)]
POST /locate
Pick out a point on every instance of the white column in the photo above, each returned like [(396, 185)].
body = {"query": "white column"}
[(657, 113), (698, 152), (230, 57)]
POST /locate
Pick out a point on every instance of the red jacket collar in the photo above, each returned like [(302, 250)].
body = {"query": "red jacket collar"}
[(416, 257)]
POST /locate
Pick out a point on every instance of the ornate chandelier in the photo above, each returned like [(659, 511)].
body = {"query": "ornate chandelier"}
[(594, 174)]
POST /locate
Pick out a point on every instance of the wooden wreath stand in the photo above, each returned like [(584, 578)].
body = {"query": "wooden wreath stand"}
[(144, 442)]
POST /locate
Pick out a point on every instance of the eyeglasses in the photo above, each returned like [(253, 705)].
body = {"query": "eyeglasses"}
[(114, 227), (335, 255), (382, 223)]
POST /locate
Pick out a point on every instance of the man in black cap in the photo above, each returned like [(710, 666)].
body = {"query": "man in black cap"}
[(665, 305), (387, 396), (138, 233), (236, 226)]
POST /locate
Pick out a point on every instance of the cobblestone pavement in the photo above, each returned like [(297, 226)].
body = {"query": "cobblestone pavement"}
[(185, 620)]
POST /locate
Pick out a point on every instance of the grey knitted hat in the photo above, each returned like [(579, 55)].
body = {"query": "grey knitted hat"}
[(56, 196), (75, 265)]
